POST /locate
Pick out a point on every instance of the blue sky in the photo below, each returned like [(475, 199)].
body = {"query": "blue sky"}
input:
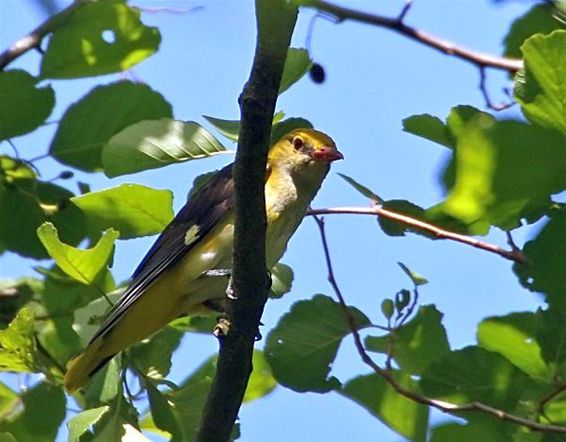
[(375, 78)]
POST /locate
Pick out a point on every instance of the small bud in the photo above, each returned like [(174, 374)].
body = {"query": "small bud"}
[(387, 308), (317, 73)]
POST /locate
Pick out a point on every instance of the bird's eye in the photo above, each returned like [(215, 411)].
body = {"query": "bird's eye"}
[(298, 143)]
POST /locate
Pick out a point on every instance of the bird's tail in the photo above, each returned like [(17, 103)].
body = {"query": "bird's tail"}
[(85, 365)]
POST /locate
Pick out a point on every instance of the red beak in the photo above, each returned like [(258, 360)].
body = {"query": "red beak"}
[(328, 154)]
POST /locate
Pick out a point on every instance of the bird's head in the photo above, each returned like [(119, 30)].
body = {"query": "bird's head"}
[(304, 150)]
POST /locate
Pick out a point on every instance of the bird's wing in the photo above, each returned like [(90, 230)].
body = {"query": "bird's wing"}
[(204, 210)]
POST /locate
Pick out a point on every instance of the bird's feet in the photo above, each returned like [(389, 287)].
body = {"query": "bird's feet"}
[(222, 327)]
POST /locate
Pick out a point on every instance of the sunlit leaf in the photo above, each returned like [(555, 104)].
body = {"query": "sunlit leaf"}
[(514, 337), (132, 209), (80, 424), (303, 345), (29, 105), (261, 381), (413, 276), (17, 344), (99, 38), (88, 124), (83, 265), (541, 90), (503, 170), (9, 399), (156, 143)]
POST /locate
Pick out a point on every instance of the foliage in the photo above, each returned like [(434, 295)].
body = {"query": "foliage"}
[(502, 174)]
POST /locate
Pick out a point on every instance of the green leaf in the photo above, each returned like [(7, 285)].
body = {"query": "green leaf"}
[(417, 344), (106, 385), (540, 19), (29, 204), (469, 433), (132, 209), (14, 294), (429, 127), (229, 128), (152, 357), (18, 345), (361, 188), (281, 280), (542, 90), (473, 374), (85, 266), (503, 170), (89, 318), (546, 256), (303, 345), (402, 415), (297, 64), (280, 129), (195, 324), (44, 409), (392, 227), (29, 105), (157, 143), (7, 437), (415, 278), (12, 169), (551, 335), (187, 402), (261, 381), (100, 38), (88, 124), (513, 336), (81, 423), (163, 413), (9, 399)]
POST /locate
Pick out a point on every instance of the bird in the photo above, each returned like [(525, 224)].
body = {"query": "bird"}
[(179, 274)]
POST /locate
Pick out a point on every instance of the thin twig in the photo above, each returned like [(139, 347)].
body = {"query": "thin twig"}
[(513, 255), (443, 406), (34, 38), (483, 88), (396, 24)]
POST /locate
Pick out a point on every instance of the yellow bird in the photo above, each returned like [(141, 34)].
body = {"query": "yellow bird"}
[(176, 276)]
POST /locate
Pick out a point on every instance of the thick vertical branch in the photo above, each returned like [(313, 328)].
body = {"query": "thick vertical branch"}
[(275, 22)]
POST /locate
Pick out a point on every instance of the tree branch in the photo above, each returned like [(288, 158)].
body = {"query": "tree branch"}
[(443, 406), (275, 21), (513, 255), (34, 38), (397, 25)]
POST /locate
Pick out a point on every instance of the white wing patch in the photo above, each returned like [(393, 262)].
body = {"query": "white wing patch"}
[(192, 235)]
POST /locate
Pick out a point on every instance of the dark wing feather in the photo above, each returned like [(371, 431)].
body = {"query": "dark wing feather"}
[(205, 209)]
